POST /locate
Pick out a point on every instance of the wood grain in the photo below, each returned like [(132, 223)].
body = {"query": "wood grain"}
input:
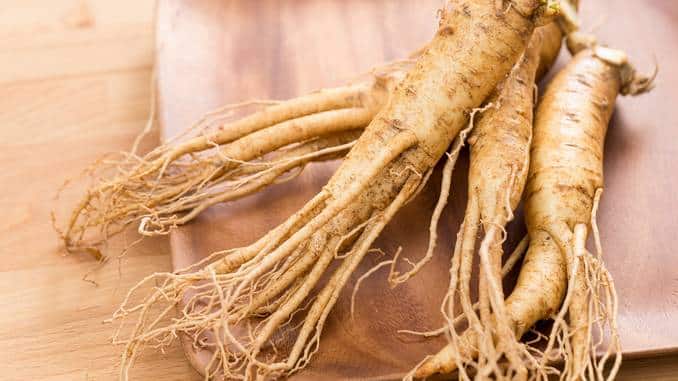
[(74, 84), (272, 49), (70, 91)]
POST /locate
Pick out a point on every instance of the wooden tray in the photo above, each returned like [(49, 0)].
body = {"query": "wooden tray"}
[(212, 52)]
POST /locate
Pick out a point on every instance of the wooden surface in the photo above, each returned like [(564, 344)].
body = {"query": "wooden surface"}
[(74, 84), (231, 51)]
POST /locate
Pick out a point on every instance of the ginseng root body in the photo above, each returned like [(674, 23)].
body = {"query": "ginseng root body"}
[(559, 278), (245, 299), (499, 146)]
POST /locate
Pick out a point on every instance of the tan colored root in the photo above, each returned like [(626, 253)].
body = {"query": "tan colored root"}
[(129, 197), (589, 306), (341, 276), (399, 144), (558, 346), (176, 181), (396, 278), (315, 261), (326, 297), (578, 310), (219, 302), (460, 278), (237, 258), (493, 312), (463, 349), (496, 321), (586, 316), (591, 310), (570, 340), (509, 264), (500, 146), (251, 179)]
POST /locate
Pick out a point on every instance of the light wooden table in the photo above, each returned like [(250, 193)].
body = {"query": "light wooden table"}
[(74, 84)]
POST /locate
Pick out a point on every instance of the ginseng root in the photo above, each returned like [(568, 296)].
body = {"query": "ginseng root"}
[(240, 304), (499, 160), (559, 278), (176, 181)]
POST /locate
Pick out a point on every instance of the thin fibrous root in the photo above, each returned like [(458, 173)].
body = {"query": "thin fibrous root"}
[(395, 278), (509, 264), (543, 261), (590, 334), (254, 279), (239, 298), (251, 179)]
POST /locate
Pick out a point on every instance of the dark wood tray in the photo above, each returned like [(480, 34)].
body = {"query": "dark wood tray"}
[(212, 52)]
